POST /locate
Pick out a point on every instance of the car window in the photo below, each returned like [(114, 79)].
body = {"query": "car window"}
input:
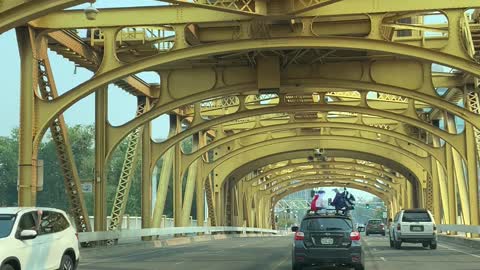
[(6, 224), (374, 221), (326, 224), (416, 217), (52, 222), (27, 222)]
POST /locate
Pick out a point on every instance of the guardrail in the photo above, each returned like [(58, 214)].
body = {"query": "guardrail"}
[(129, 234), (459, 228)]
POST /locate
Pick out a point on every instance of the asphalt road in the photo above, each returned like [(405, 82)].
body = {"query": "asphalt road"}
[(273, 253)]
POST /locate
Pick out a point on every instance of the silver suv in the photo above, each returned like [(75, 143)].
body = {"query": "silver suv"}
[(413, 226)]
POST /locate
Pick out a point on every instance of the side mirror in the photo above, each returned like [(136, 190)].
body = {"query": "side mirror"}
[(295, 229), (361, 229), (28, 234)]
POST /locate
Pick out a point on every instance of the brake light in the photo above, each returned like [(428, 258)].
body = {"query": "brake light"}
[(399, 227), (355, 236), (299, 236)]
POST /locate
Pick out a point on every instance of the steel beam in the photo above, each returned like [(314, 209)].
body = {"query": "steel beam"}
[(100, 181), (25, 11), (146, 185), (121, 17), (27, 185)]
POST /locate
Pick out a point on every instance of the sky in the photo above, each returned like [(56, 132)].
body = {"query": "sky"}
[(122, 106)]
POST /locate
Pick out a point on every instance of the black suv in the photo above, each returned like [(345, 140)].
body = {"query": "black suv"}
[(326, 238)]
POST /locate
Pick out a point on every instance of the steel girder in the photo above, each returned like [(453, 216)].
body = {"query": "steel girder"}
[(51, 109), (18, 12), (170, 14)]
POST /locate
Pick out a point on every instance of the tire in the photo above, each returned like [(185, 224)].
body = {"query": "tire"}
[(7, 267), (297, 267), (383, 234), (433, 246), (366, 233), (397, 244), (67, 263), (425, 245), (359, 267)]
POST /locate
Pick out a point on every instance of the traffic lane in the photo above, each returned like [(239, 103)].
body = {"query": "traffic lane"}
[(380, 256), (270, 253)]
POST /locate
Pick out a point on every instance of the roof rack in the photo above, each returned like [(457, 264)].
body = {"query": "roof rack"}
[(326, 212)]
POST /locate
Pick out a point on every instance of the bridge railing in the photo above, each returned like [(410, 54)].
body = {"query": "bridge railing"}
[(138, 233), (459, 228)]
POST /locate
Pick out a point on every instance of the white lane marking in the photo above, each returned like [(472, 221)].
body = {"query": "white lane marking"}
[(179, 262), (242, 245), (383, 259), (280, 263), (453, 249)]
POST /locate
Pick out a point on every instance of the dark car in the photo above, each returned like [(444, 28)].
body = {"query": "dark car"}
[(375, 226), (327, 239)]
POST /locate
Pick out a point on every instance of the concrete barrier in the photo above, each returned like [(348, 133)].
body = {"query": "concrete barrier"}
[(460, 240)]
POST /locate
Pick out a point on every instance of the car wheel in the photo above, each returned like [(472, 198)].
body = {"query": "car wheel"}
[(7, 267), (67, 263), (425, 245), (433, 246), (359, 267), (383, 234), (366, 233), (297, 267)]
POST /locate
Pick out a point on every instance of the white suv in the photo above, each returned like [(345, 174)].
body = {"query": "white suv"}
[(37, 239), (413, 226)]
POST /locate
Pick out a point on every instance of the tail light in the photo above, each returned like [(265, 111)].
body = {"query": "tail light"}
[(299, 236), (399, 227), (382, 226), (355, 236)]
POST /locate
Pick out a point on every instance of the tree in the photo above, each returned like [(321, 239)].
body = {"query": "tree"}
[(9, 169)]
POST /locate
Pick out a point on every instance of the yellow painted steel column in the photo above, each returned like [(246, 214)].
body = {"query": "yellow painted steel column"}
[(146, 172), (26, 160), (177, 182), (190, 186), (442, 185), (436, 193), (472, 171), (459, 174), (165, 177), (451, 192), (100, 187)]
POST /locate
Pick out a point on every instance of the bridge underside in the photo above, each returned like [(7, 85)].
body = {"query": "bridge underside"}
[(275, 96)]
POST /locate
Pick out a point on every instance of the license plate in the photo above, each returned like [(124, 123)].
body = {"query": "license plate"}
[(326, 241), (416, 229)]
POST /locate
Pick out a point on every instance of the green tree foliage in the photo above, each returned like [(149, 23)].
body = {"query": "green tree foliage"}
[(8, 169), (82, 142)]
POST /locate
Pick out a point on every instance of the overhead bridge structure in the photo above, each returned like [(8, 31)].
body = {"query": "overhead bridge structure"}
[(276, 96)]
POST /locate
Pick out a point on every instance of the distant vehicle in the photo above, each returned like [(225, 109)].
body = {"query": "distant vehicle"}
[(325, 238), (37, 239), (375, 226), (413, 226), (360, 227)]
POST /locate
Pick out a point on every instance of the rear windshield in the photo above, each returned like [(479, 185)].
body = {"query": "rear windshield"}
[(374, 221), (6, 224), (326, 224), (416, 217)]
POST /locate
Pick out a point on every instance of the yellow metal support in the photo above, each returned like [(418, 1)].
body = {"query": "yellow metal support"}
[(27, 187), (100, 186), (59, 132), (146, 172), (128, 169), (190, 186), (177, 181)]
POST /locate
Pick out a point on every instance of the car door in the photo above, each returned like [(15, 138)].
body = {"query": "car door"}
[(26, 250), (52, 227)]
